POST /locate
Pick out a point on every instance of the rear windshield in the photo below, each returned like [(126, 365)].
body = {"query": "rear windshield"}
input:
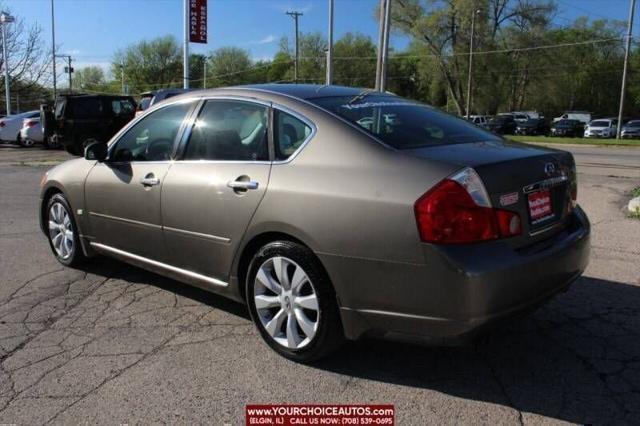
[(403, 124), (600, 123)]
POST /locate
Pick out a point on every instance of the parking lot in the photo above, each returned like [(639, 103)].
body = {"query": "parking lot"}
[(111, 343)]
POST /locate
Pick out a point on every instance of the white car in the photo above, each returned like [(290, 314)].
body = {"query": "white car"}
[(583, 116), (10, 126), (31, 132), (601, 128), (479, 120)]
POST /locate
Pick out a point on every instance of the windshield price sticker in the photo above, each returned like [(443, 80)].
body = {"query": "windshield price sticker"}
[(319, 414)]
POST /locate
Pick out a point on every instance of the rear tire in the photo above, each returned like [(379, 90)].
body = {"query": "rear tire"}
[(292, 302), (62, 231)]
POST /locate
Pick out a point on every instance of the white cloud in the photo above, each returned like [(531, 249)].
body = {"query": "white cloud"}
[(268, 39)]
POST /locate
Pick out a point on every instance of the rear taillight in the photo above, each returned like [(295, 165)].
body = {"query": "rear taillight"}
[(2, 124), (458, 210), (29, 123)]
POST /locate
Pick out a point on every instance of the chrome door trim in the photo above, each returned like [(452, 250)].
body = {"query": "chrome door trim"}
[(122, 219), (197, 234), (156, 266)]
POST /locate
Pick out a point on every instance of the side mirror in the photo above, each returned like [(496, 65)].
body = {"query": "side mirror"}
[(96, 151)]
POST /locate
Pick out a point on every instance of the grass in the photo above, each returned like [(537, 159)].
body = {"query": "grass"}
[(577, 141), (635, 192)]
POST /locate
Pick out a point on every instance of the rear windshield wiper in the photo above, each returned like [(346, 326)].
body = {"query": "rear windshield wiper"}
[(360, 96)]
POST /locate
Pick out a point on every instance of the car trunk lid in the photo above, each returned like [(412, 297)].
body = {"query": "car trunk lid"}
[(535, 182)]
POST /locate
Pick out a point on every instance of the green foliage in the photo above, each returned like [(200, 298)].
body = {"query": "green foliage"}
[(228, 67), (150, 64)]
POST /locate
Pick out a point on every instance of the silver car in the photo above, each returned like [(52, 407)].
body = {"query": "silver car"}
[(422, 228), (10, 126)]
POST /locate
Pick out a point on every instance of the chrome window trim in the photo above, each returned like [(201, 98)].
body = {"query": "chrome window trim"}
[(268, 104)]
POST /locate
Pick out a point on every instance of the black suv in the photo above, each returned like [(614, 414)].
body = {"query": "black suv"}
[(79, 119)]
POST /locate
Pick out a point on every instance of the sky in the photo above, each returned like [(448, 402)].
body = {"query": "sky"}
[(92, 30)]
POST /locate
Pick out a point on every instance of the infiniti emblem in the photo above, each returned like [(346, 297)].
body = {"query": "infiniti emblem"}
[(549, 169)]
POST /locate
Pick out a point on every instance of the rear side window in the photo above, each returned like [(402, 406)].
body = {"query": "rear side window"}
[(404, 124), (122, 107), (289, 133), (229, 130), (85, 108)]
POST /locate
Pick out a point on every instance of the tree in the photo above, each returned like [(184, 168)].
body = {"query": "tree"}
[(89, 78), (229, 66), (444, 27), (354, 61), (150, 64)]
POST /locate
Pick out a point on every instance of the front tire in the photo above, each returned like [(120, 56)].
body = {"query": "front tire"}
[(292, 302), (62, 231)]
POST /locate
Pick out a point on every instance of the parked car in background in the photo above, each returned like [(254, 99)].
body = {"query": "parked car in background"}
[(31, 132), (533, 126), (503, 124), (517, 116), (572, 128), (479, 120), (582, 116), (423, 228), (10, 126), (631, 130), (529, 114), (149, 99), (78, 119), (601, 128)]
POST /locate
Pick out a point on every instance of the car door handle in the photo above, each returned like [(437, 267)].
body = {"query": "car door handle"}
[(149, 181), (242, 185)]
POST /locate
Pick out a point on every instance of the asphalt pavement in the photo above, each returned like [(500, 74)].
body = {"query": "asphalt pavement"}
[(110, 343)]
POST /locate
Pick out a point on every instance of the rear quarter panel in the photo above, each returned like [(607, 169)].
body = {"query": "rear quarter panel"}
[(350, 199)]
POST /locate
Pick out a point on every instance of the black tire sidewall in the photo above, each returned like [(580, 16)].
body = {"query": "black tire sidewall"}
[(329, 334), (77, 255)]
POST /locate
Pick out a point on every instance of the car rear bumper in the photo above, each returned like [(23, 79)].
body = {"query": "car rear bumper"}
[(463, 290)]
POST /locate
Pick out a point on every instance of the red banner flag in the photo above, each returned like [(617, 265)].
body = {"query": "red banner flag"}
[(198, 21)]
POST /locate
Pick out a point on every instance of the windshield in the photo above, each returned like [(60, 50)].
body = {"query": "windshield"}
[(566, 123), (600, 123), (634, 123), (404, 124)]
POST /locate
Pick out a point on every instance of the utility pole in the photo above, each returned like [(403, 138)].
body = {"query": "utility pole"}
[(626, 65), (295, 15), (473, 26), (329, 78), (5, 19), (185, 60), (122, 77), (68, 69), (53, 50), (380, 43), (385, 46), (204, 75)]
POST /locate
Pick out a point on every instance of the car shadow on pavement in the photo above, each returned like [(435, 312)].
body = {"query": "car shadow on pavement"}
[(113, 269), (576, 359)]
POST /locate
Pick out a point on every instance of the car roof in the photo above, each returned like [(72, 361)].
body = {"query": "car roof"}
[(307, 91)]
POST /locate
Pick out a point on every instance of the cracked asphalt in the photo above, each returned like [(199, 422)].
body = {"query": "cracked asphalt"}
[(111, 343)]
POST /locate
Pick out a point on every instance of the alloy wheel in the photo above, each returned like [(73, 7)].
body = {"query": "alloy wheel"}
[(61, 230), (286, 302)]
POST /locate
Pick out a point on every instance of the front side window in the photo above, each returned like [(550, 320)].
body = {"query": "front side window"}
[(229, 130), (153, 137), (404, 124), (289, 134)]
